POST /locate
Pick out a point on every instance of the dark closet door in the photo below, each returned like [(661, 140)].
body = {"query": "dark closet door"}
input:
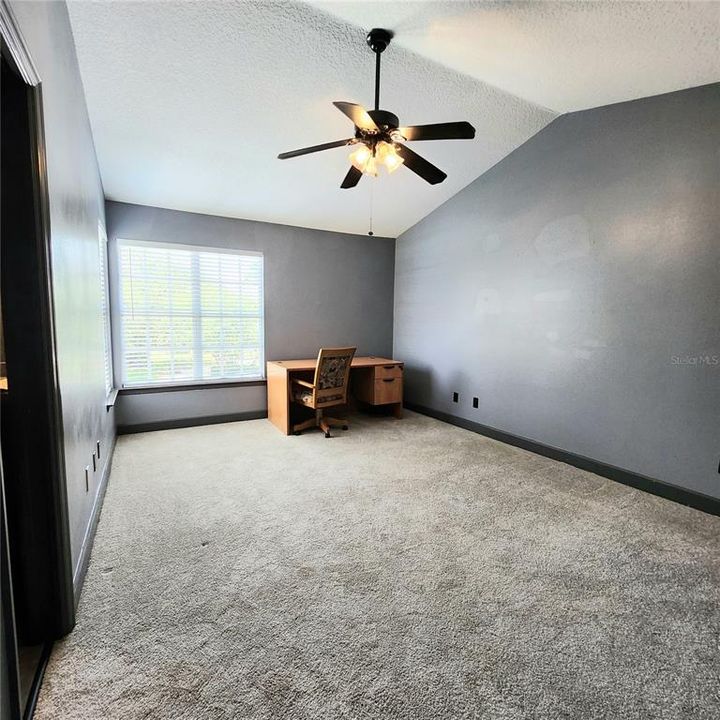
[(30, 425)]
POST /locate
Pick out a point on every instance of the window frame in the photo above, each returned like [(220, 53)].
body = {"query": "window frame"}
[(106, 313), (189, 383)]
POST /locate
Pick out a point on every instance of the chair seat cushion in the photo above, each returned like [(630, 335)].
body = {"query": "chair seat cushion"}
[(304, 395)]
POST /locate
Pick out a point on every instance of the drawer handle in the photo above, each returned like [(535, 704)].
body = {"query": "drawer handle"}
[(388, 379)]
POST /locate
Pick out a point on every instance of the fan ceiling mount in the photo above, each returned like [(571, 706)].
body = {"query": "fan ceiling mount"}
[(379, 140)]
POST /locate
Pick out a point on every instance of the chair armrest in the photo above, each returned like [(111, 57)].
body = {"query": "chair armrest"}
[(304, 383)]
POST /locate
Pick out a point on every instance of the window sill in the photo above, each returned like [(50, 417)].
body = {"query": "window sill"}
[(110, 399), (178, 387)]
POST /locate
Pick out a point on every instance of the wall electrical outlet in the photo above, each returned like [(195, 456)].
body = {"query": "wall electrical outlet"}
[(475, 402), (456, 397)]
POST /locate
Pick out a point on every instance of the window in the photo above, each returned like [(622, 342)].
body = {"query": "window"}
[(105, 308), (189, 314)]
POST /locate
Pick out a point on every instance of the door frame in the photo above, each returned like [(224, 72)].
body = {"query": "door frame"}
[(59, 564)]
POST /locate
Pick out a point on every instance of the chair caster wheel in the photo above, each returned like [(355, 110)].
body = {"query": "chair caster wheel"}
[(344, 427), (327, 435)]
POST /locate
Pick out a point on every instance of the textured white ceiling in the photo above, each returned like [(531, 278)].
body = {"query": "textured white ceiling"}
[(561, 55), (190, 102)]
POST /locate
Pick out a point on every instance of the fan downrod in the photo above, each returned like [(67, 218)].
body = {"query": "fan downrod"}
[(378, 39)]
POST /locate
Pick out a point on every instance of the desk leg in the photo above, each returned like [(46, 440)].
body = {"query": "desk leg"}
[(278, 397), (398, 410)]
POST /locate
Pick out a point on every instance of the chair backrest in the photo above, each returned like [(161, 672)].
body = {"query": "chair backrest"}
[(332, 374)]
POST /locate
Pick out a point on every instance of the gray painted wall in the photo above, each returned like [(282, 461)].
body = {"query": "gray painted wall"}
[(321, 288), (572, 286), (76, 206)]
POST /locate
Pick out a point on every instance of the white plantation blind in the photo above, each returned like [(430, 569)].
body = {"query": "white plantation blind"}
[(189, 314)]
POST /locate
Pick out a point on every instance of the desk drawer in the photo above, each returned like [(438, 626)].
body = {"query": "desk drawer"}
[(387, 390), (388, 371)]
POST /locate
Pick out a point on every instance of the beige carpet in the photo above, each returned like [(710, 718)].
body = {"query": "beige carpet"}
[(400, 570)]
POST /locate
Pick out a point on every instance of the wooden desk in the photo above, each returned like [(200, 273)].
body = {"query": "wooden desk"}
[(374, 380)]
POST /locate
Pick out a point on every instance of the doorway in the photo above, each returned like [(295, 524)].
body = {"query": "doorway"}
[(38, 597)]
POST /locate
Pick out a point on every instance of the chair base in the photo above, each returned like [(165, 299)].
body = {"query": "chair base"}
[(320, 421)]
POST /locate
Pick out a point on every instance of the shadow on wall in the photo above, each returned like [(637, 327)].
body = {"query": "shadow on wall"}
[(422, 384), (417, 383)]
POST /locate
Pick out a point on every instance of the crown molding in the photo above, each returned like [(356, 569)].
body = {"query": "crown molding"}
[(15, 43)]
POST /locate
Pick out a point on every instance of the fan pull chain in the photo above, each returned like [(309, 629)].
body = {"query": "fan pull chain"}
[(372, 195)]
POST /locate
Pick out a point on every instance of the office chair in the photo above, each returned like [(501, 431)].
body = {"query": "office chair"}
[(328, 389)]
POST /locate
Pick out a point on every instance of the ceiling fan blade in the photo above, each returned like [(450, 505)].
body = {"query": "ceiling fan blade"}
[(439, 131), (352, 178), (314, 148), (419, 165), (358, 114)]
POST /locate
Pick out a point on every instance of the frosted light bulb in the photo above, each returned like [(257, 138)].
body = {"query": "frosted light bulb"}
[(359, 158), (393, 161), (387, 154)]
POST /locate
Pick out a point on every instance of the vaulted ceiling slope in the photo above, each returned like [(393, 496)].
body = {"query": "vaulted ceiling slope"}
[(190, 102), (563, 56)]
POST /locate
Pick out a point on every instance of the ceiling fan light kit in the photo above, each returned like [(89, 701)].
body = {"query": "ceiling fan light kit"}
[(368, 160), (379, 138)]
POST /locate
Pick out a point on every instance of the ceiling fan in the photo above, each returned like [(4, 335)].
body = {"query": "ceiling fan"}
[(378, 137)]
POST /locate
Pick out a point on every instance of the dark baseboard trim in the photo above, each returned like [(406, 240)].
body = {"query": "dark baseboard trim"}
[(34, 693), (89, 539), (692, 499), (190, 422)]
